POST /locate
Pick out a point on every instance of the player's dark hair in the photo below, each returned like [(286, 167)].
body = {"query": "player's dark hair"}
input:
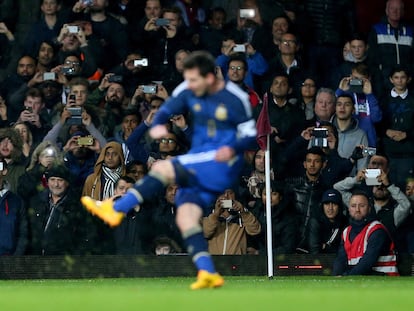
[(202, 60)]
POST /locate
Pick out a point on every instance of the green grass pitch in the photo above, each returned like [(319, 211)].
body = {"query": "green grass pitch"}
[(238, 293)]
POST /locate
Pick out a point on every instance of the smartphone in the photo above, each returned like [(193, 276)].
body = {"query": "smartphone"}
[(149, 89), (87, 2), (73, 29), (371, 175), (1, 166), (49, 76), (141, 62), (85, 141), (76, 116), (162, 22), (246, 13), (30, 109), (239, 48), (115, 79)]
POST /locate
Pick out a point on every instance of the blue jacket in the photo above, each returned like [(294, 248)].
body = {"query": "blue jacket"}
[(256, 63), (13, 225)]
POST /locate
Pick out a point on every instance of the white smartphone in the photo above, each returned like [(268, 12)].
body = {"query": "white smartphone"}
[(371, 177)]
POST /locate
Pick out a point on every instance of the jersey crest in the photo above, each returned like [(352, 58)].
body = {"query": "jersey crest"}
[(221, 113)]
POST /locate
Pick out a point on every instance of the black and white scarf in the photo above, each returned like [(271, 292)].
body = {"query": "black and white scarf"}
[(110, 178)]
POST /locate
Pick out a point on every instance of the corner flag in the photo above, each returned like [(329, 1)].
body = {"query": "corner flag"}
[(263, 125)]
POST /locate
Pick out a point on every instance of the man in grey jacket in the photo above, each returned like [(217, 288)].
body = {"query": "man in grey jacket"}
[(390, 204)]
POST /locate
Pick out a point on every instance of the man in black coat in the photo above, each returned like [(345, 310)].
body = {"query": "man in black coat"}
[(56, 217)]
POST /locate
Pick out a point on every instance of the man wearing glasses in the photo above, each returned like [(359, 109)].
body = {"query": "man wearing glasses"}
[(237, 72), (257, 65)]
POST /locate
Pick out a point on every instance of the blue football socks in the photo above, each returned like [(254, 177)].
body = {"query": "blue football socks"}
[(198, 249), (150, 186)]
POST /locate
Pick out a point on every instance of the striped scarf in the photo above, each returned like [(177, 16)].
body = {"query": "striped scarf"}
[(110, 178)]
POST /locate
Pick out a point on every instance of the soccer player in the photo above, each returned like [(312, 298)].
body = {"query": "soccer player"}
[(222, 129)]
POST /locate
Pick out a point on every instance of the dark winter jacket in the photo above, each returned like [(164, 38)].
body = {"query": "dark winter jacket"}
[(57, 229), (13, 225)]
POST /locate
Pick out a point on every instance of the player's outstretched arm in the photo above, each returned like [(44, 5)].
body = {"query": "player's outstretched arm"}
[(224, 154), (158, 131)]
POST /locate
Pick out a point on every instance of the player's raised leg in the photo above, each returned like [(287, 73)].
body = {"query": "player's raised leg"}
[(112, 211)]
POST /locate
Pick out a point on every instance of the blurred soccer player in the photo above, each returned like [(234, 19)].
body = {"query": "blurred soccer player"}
[(223, 129)]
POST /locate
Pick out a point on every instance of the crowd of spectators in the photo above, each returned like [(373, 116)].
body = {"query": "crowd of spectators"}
[(80, 88)]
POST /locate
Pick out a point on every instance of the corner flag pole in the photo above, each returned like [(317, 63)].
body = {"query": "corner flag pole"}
[(268, 211), (264, 129)]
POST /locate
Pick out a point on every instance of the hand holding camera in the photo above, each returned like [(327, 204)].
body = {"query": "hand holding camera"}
[(151, 25), (105, 82), (37, 79)]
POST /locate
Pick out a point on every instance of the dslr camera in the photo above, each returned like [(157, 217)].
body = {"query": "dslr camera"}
[(228, 205), (319, 137)]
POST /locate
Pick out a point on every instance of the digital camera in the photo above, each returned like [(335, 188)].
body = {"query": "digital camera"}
[(68, 71), (226, 204), (369, 151)]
